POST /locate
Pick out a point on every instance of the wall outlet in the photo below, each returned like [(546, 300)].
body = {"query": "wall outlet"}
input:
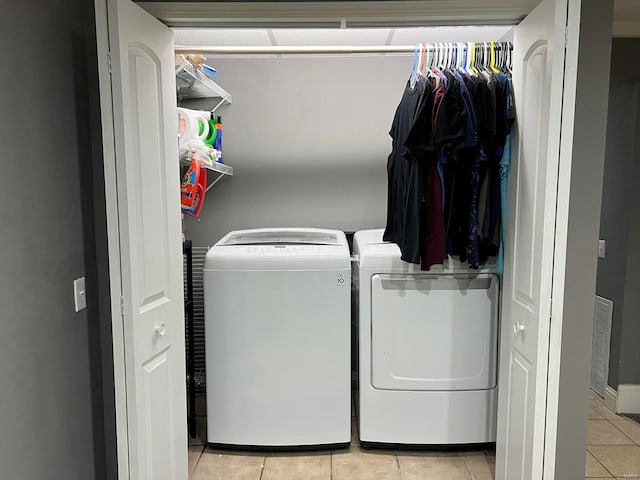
[(602, 248), (79, 294)]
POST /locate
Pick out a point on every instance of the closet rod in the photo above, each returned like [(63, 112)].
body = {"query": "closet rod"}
[(274, 50)]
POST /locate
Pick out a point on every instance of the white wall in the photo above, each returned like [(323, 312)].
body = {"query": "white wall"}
[(308, 141)]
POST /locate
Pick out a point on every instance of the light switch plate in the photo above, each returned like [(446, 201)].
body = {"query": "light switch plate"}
[(79, 294), (602, 248)]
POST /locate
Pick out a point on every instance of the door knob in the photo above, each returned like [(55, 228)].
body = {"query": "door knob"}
[(518, 327), (161, 329)]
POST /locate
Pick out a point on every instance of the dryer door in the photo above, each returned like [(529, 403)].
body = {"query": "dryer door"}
[(434, 332)]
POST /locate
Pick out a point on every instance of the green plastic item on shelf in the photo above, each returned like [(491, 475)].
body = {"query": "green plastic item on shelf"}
[(213, 133)]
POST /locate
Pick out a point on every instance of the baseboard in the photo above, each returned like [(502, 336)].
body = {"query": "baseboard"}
[(628, 399), (610, 398)]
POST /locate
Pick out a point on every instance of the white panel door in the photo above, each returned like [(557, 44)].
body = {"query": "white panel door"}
[(538, 87), (145, 128)]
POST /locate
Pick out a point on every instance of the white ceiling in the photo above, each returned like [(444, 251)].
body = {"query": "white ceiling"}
[(341, 14), (332, 13), (335, 36)]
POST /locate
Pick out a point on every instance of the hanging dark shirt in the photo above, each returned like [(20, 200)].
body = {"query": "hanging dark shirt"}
[(444, 169), (439, 128), (433, 249), (404, 189)]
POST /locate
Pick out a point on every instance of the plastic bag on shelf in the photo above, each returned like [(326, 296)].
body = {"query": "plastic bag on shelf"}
[(198, 149)]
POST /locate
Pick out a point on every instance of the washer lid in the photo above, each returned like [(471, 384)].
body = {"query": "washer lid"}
[(283, 236), (280, 249)]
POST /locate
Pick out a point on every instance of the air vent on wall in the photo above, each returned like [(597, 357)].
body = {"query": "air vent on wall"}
[(603, 314)]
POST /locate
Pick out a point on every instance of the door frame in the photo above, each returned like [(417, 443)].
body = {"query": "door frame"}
[(113, 237), (580, 179), (563, 271)]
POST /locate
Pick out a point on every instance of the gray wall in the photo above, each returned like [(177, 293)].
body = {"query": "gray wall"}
[(47, 426), (630, 335), (617, 272), (308, 141), (616, 214)]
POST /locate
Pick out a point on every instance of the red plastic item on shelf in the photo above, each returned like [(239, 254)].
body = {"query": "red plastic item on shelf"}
[(194, 188)]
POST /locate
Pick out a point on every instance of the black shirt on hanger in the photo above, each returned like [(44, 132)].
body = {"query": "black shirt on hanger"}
[(404, 189)]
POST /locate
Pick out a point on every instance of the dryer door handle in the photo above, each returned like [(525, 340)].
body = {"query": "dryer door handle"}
[(435, 282)]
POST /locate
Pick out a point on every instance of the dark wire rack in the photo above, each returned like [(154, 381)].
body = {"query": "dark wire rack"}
[(187, 250)]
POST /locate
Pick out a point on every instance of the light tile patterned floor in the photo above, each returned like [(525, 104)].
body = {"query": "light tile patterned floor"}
[(613, 452), (613, 445), (353, 463)]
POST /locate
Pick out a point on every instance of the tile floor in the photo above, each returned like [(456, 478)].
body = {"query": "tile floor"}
[(353, 463), (613, 444), (613, 452)]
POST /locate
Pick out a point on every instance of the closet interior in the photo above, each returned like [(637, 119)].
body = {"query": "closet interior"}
[(364, 185), (403, 135)]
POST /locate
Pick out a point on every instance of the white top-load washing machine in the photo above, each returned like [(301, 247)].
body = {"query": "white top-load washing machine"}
[(428, 349), (277, 332)]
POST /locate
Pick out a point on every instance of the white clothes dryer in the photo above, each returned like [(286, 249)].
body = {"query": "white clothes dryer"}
[(428, 349), (277, 334)]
